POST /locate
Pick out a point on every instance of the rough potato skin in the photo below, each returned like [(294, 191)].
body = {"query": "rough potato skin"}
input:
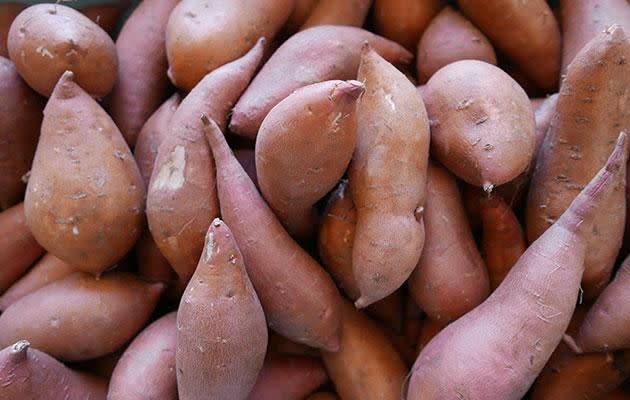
[(387, 179), (203, 35), (333, 12), (46, 40), (221, 327), (367, 366), (18, 247), (591, 111), (20, 120), (507, 340), (303, 148), (146, 370), (450, 278), (288, 378), (182, 199), (450, 37), (81, 317), (526, 31), (142, 82), (482, 130), (85, 197), (314, 55), (29, 374), (8, 12)]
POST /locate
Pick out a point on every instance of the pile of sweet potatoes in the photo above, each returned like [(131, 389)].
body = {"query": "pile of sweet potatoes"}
[(315, 200)]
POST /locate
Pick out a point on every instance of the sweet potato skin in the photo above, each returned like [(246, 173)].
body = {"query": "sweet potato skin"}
[(333, 12), (450, 37), (106, 16), (591, 101), (288, 378), (84, 206), (198, 33), (481, 130), (8, 12), (81, 317), (45, 40), (20, 121)]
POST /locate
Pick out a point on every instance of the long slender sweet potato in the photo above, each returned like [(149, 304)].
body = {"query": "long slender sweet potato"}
[(300, 302), (221, 328), (367, 366), (146, 369), (314, 55), (30, 374), (8, 12), (507, 340), (450, 278), (390, 162), (81, 317), (182, 198), (18, 247), (20, 121), (591, 112), (527, 32), (288, 378), (333, 12), (303, 148), (450, 37)]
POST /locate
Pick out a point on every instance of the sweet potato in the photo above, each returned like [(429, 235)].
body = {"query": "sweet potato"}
[(106, 15), (48, 269), (221, 328), (507, 340), (503, 240), (333, 12), (583, 20), (527, 32), (367, 366), (42, 51), (146, 369), (81, 317), (82, 205), (450, 37), (142, 82), (30, 374), (20, 121), (151, 264), (247, 159), (450, 278), (8, 12), (301, 11), (481, 129), (303, 148), (204, 35), (591, 112), (300, 302), (182, 198), (288, 378), (404, 21), (18, 247), (390, 162), (314, 55), (278, 344)]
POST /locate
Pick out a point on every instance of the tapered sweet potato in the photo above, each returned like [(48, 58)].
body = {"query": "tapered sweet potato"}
[(591, 112), (20, 121), (8, 12), (48, 269), (450, 37), (367, 366), (182, 198), (303, 148), (18, 247), (527, 32), (45, 40), (300, 302), (288, 378), (221, 328), (146, 369), (82, 205), (314, 55), (390, 162), (450, 278), (204, 35), (583, 20), (29, 374), (333, 12), (404, 21), (481, 129), (81, 317), (507, 340)]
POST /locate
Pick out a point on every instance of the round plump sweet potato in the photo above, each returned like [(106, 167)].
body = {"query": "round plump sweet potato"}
[(46, 40)]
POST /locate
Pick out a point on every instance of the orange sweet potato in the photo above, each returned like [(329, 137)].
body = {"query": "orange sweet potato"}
[(333, 12)]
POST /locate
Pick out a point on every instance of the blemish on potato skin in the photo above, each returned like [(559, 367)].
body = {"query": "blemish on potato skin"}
[(171, 174)]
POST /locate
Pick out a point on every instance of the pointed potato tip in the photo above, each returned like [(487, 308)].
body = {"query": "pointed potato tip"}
[(348, 91), (66, 87), (333, 344), (362, 302), (19, 349), (618, 155)]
